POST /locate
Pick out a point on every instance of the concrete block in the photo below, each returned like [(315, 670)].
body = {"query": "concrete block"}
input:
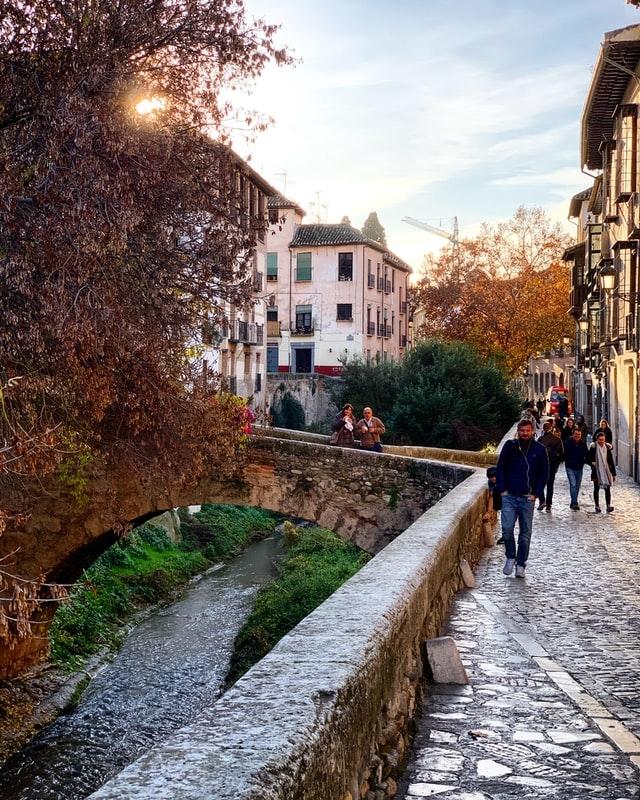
[(445, 662), (467, 574)]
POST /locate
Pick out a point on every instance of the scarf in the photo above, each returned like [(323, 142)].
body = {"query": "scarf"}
[(605, 478)]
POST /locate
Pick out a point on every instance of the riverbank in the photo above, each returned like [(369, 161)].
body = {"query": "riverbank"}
[(142, 571), (316, 563)]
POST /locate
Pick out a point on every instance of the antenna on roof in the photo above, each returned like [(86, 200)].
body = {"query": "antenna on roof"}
[(317, 208)]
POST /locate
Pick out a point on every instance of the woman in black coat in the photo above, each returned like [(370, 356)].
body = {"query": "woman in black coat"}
[(608, 433)]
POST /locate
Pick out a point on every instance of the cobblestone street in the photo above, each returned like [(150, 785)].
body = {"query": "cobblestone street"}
[(553, 705)]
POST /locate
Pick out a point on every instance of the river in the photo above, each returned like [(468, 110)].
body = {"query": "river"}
[(171, 666)]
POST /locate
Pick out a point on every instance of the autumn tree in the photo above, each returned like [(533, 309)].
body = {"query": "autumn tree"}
[(506, 293), (119, 230), (373, 229)]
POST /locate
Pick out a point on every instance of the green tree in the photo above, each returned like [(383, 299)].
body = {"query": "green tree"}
[(443, 394), (373, 229), (368, 384)]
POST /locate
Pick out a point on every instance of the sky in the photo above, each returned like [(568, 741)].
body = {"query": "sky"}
[(428, 108)]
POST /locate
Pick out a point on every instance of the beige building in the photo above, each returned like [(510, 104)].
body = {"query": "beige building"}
[(334, 294), (604, 261), (236, 350)]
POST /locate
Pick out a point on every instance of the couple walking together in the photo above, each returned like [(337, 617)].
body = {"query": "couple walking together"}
[(368, 430)]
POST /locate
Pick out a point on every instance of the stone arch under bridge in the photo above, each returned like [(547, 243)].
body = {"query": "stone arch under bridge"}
[(365, 497)]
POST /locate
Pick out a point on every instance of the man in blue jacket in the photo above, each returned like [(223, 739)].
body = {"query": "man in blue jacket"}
[(523, 469)]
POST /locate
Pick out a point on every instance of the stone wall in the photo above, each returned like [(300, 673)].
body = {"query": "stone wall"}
[(476, 458), (325, 716), (364, 497), (311, 391)]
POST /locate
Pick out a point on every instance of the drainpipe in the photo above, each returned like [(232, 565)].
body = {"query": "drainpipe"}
[(364, 280), (290, 307)]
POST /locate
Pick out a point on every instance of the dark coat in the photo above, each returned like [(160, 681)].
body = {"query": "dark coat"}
[(522, 470), (608, 434), (591, 459), (554, 448), (343, 437), (575, 454)]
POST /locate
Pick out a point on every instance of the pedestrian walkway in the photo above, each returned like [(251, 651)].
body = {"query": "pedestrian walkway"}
[(553, 705)]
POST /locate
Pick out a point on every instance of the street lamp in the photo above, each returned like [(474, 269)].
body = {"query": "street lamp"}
[(583, 324), (566, 340), (607, 276)]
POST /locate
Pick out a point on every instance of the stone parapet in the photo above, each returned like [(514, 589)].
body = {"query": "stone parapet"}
[(476, 458), (326, 714)]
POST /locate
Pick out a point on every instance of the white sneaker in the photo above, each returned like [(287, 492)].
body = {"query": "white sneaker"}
[(508, 566), (519, 571)]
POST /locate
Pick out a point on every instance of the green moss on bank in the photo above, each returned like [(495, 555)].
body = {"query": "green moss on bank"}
[(317, 563), (142, 569)]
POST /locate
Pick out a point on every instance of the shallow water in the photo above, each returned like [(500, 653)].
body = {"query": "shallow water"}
[(171, 667)]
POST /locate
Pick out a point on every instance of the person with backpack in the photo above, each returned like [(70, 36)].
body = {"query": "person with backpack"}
[(555, 452)]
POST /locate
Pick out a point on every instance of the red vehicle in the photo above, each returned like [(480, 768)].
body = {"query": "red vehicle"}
[(554, 396)]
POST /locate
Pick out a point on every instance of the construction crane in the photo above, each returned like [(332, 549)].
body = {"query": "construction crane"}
[(453, 237)]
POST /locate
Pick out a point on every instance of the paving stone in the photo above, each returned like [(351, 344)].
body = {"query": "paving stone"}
[(554, 667)]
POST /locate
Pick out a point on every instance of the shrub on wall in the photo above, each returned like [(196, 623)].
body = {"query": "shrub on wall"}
[(287, 412)]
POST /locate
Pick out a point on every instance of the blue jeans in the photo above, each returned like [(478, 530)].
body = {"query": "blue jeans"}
[(520, 508), (574, 477)]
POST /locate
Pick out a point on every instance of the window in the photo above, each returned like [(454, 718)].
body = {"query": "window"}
[(303, 318), (345, 266), (303, 267), (272, 266), (247, 363), (272, 358), (626, 156), (345, 311), (272, 314), (274, 217)]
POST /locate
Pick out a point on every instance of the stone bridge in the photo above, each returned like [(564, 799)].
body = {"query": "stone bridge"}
[(365, 497)]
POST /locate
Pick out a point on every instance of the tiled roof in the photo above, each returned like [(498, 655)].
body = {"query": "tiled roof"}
[(618, 59), (396, 261), (277, 200), (328, 235)]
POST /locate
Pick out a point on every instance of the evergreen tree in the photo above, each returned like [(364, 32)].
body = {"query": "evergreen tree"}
[(373, 229)]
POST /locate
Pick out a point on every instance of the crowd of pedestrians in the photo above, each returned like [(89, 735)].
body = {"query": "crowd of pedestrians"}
[(527, 469)]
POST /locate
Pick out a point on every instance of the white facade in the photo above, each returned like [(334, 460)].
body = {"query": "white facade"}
[(334, 294)]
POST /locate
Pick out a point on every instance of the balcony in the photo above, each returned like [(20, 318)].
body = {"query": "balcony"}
[(403, 307), (259, 334), (345, 273), (371, 328), (245, 332), (273, 329), (303, 330), (257, 282), (387, 287), (577, 297), (384, 330), (371, 281)]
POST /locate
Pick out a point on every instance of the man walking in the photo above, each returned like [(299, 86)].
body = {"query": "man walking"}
[(370, 428), (555, 452), (523, 469), (575, 457)]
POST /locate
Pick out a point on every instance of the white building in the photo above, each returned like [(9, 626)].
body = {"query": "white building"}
[(334, 293)]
